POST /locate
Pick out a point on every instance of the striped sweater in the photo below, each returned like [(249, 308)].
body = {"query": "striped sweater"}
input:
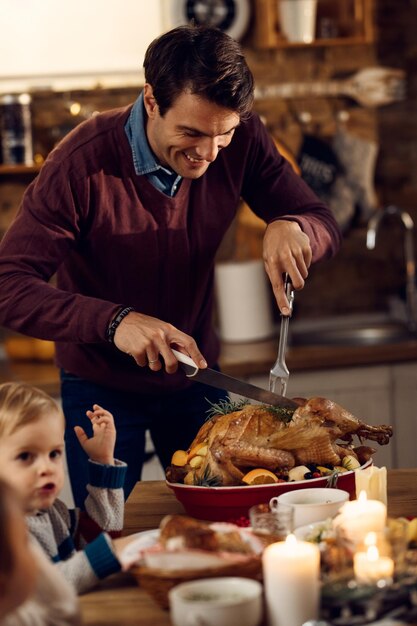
[(80, 542)]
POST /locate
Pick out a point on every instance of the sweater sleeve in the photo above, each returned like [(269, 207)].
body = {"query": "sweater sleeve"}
[(86, 567), (105, 501), (54, 530), (45, 233), (274, 191)]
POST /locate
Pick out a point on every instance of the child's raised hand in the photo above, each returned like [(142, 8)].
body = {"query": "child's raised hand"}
[(99, 447)]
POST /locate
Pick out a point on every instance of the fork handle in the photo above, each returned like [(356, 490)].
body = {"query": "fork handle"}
[(289, 292), (283, 337), (285, 320)]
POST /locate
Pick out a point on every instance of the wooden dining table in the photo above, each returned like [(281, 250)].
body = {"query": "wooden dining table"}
[(119, 601)]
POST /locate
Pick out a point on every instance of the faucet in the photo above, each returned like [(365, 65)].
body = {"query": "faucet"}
[(410, 266)]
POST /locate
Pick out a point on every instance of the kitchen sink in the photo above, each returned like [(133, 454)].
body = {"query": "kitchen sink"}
[(350, 330)]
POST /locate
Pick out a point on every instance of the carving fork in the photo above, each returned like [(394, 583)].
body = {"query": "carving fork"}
[(280, 373)]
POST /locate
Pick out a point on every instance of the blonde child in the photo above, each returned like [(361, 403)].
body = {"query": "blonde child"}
[(31, 460), (32, 592)]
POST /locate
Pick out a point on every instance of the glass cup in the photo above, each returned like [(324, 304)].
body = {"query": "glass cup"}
[(390, 542), (396, 536), (274, 525)]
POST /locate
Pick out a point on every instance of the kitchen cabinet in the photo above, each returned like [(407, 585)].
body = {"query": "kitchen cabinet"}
[(152, 468), (380, 394), (19, 170), (404, 408), (345, 22)]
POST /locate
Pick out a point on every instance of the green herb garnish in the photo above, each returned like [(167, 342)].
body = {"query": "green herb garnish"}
[(207, 479), (224, 407), (283, 413)]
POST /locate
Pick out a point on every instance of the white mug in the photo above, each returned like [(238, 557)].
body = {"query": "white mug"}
[(311, 505)]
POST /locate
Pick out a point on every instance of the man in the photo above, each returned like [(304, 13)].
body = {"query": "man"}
[(129, 211)]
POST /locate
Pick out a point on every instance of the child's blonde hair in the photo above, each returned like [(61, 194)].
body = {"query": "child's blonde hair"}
[(21, 404)]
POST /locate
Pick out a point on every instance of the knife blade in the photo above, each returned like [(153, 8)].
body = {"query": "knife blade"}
[(213, 378)]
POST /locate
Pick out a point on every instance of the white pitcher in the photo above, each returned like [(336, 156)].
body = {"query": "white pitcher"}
[(298, 19)]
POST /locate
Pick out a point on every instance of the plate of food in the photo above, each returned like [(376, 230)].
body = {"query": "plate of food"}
[(245, 454), (138, 547), (184, 549)]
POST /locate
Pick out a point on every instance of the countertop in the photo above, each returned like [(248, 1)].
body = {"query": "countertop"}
[(243, 359)]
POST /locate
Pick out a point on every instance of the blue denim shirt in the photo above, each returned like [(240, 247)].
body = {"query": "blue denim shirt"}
[(144, 159)]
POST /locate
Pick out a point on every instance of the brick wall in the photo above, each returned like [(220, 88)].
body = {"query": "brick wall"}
[(368, 277)]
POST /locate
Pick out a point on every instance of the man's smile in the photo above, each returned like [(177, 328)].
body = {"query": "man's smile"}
[(193, 159)]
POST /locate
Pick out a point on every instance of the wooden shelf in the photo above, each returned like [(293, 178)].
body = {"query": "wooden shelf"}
[(7, 170), (317, 43), (352, 18)]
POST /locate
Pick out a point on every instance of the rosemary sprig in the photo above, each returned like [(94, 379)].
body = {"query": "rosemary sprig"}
[(223, 407), (207, 479), (283, 413)]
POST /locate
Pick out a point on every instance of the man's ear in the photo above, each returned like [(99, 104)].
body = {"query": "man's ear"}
[(149, 101)]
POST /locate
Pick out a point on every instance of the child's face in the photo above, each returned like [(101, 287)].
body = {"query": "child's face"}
[(31, 459)]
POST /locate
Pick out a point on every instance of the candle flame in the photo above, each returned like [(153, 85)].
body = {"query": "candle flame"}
[(370, 539), (362, 496), (291, 540), (372, 553)]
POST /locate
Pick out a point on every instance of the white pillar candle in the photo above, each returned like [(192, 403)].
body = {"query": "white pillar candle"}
[(372, 480), (291, 571), (359, 517), (371, 568)]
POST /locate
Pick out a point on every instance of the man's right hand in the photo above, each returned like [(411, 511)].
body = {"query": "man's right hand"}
[(147, 339)]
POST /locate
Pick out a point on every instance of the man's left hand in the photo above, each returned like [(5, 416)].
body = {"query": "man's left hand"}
[(286, 249)]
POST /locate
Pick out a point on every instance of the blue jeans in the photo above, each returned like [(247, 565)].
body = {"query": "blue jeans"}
[(173, 420)]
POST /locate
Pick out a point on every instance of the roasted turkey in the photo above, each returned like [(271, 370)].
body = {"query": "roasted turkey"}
[(319, 431)]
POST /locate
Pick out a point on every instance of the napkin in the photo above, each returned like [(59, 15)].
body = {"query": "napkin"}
[(372, 480)]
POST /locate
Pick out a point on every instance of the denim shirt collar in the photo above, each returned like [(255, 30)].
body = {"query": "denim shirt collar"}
[(144, 159)]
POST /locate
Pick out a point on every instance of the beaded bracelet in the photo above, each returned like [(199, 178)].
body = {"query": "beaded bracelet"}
[(111, 330)]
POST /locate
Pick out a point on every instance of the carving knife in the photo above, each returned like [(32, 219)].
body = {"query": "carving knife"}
[(224, 381)]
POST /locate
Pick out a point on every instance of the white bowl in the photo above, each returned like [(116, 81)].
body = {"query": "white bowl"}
[(311, 505), (225, 601)]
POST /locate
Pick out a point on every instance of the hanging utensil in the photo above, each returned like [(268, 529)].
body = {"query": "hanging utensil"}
[(369, 87)]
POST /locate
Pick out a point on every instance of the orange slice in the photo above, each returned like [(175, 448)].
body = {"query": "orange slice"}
[(259, 476), (179, 458)]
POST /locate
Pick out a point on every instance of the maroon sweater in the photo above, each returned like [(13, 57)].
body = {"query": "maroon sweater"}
[(114, 240)]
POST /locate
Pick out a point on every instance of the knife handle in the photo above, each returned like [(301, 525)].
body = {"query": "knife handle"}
[(187, 360)]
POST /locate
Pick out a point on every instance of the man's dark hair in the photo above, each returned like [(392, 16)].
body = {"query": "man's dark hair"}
[(203, 60)]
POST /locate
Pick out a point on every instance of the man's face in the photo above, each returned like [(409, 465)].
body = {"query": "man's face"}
[(31, 460), (191, 133)]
